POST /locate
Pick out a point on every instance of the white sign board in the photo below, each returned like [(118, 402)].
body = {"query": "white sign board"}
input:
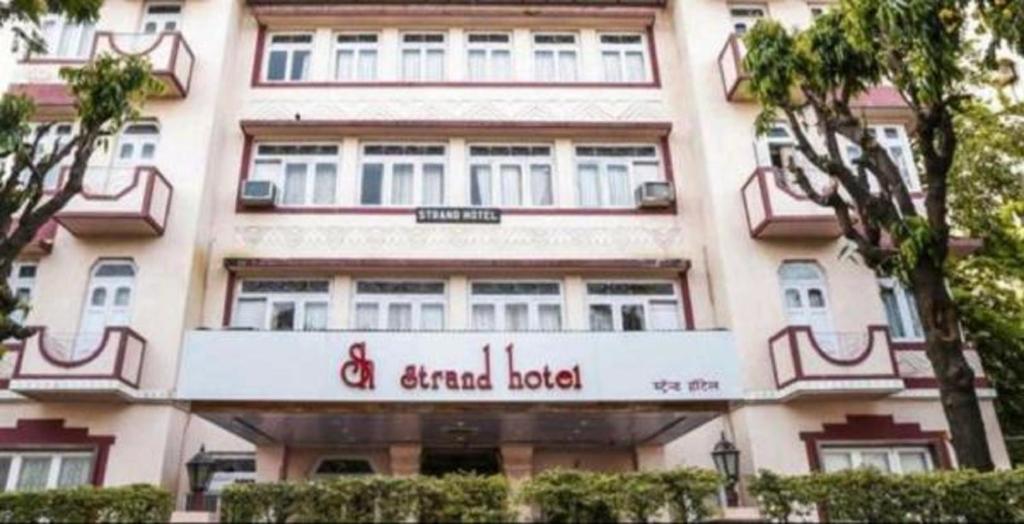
[(459, 366)]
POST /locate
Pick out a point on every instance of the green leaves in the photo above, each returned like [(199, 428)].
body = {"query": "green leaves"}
[(136, 503), (109, 91)]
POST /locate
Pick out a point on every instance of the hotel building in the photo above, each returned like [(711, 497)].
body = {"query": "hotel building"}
[(417, 237)]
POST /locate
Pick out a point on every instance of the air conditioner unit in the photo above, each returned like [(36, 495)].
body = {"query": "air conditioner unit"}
[(655, 194), (259, 193)]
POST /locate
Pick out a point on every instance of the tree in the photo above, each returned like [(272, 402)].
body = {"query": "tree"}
[(107, 91), (930, 51)]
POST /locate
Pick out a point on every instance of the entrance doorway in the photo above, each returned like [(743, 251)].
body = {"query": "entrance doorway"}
[(437, 462)]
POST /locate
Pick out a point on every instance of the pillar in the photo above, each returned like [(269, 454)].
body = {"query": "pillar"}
[(405, 459), (650, 458), (271, 463)]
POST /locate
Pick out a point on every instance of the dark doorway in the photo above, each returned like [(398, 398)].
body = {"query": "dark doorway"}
[(437, 462)]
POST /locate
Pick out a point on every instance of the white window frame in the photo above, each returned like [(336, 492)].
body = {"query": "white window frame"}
[(525, 163), (290, 48), (53, 28), (422, 49), (56, 458), (533, 303), (631, 164), (622, 50), (300, 300), (358, 49), (492, 73), (906, 310), (556, 49), (383, 302), (902, 142), (310, 160), (744, 14), (388, 161), (161, 19), (57, 135), (18, 283), (856, 454), (617, 301)]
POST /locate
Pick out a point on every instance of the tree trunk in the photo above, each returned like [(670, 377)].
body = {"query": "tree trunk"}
[(944, 347)]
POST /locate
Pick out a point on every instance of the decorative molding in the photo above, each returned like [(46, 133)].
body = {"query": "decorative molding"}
[(875, 430), (41, 434)]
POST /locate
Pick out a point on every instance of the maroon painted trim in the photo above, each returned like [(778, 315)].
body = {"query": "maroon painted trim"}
[(770, 218), (257, 60), (933, 383), (684, 288), (658, 129), (732, 45), (123, 334), (652, 50), (876, 430), (456, 264), (229, 298), (42, 434), (145, 213), (790, 332)]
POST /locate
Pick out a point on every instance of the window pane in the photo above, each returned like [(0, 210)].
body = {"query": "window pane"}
[(410, 64), (34, 473), (567, 66), (601, 318), (619, 193), (316, 316), (816, 298), (612, 67), (913, 461), (99, 297), (511, 185), (541, 190), (432, 317), (892, 313), (664, 315), (300, 65), (632, 317), (433, 185), (250, 313), (635, 67), (435, 65), (295, 184), (483, 317), (480, 185), (345, 66), (876, 459), (501, 67), (793, 298), (276, 65), (366, 316), (282, 316), (401, 185), (589, 185), (836, 461), (517, 317), (477, 64), (325, 184), (372, 184), (550, 316), (74, 471), (5, 472), (123, 296), (915, 317), (544, 65), (400, 317), (368, 64)]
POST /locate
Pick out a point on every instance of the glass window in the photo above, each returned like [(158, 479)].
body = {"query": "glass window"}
[(894, 459), (399, 305), (282, 305), (623, 57), (65, 40), (523, 176), (743, 17), (39, 470), (516, 306), (555, 57), (901, 311), (423, 57), (22, 282), (307, 174), (355, 57), (633, 306), (606, 176), (489, 56), (335, 467), (161, 17), (288, 57), (402, 175)]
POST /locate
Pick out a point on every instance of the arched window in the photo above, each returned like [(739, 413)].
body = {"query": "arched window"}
[(805, 296), (137, 144), (108, 303)]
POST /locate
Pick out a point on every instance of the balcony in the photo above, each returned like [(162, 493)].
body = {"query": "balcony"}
[(94, 366), (840, 364), (42, 243), (775, 210), (169, 54), (917, 372), (119, 202), (735, 80)]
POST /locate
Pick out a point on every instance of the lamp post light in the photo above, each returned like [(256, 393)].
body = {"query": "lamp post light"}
[(727, 461), (200, 471)]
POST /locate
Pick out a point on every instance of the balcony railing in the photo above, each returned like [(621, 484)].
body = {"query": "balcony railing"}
[(119, 201), (105, 364), (805, 362), (917, 372), (776, 209), (735, 79), (169, 54)]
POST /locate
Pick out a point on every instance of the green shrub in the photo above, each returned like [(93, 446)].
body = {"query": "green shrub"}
[(137, 503), (367, 499), (690, 493)]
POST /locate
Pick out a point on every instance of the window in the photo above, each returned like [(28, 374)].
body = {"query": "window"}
[(22, 282), (423, 56), (53, 139), (288, 57), (516, 306), (555, 57), (777, 149), (161, 16), (282, 305), (66, 40), (623, 57), (355, 57), (901, 311), (336, 466), (743, 17), (137, 144), (510, 176), (606, 175), (489, 56), (231, 468), (633, 306), (894, 140), (306, 174), (402, 175), (399, 305), (902, 459), (33, 471)]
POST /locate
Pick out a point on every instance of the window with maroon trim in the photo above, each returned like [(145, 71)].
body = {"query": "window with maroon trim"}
[(886, 459), (38, 470)]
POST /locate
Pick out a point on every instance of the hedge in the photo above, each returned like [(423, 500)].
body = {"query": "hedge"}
[(866, 495), (560, 496), (136, 503), (452, 498)]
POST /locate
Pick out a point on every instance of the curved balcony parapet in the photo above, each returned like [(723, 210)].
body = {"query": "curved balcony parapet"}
[(776, 210), (168, 52), (119, 201)]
